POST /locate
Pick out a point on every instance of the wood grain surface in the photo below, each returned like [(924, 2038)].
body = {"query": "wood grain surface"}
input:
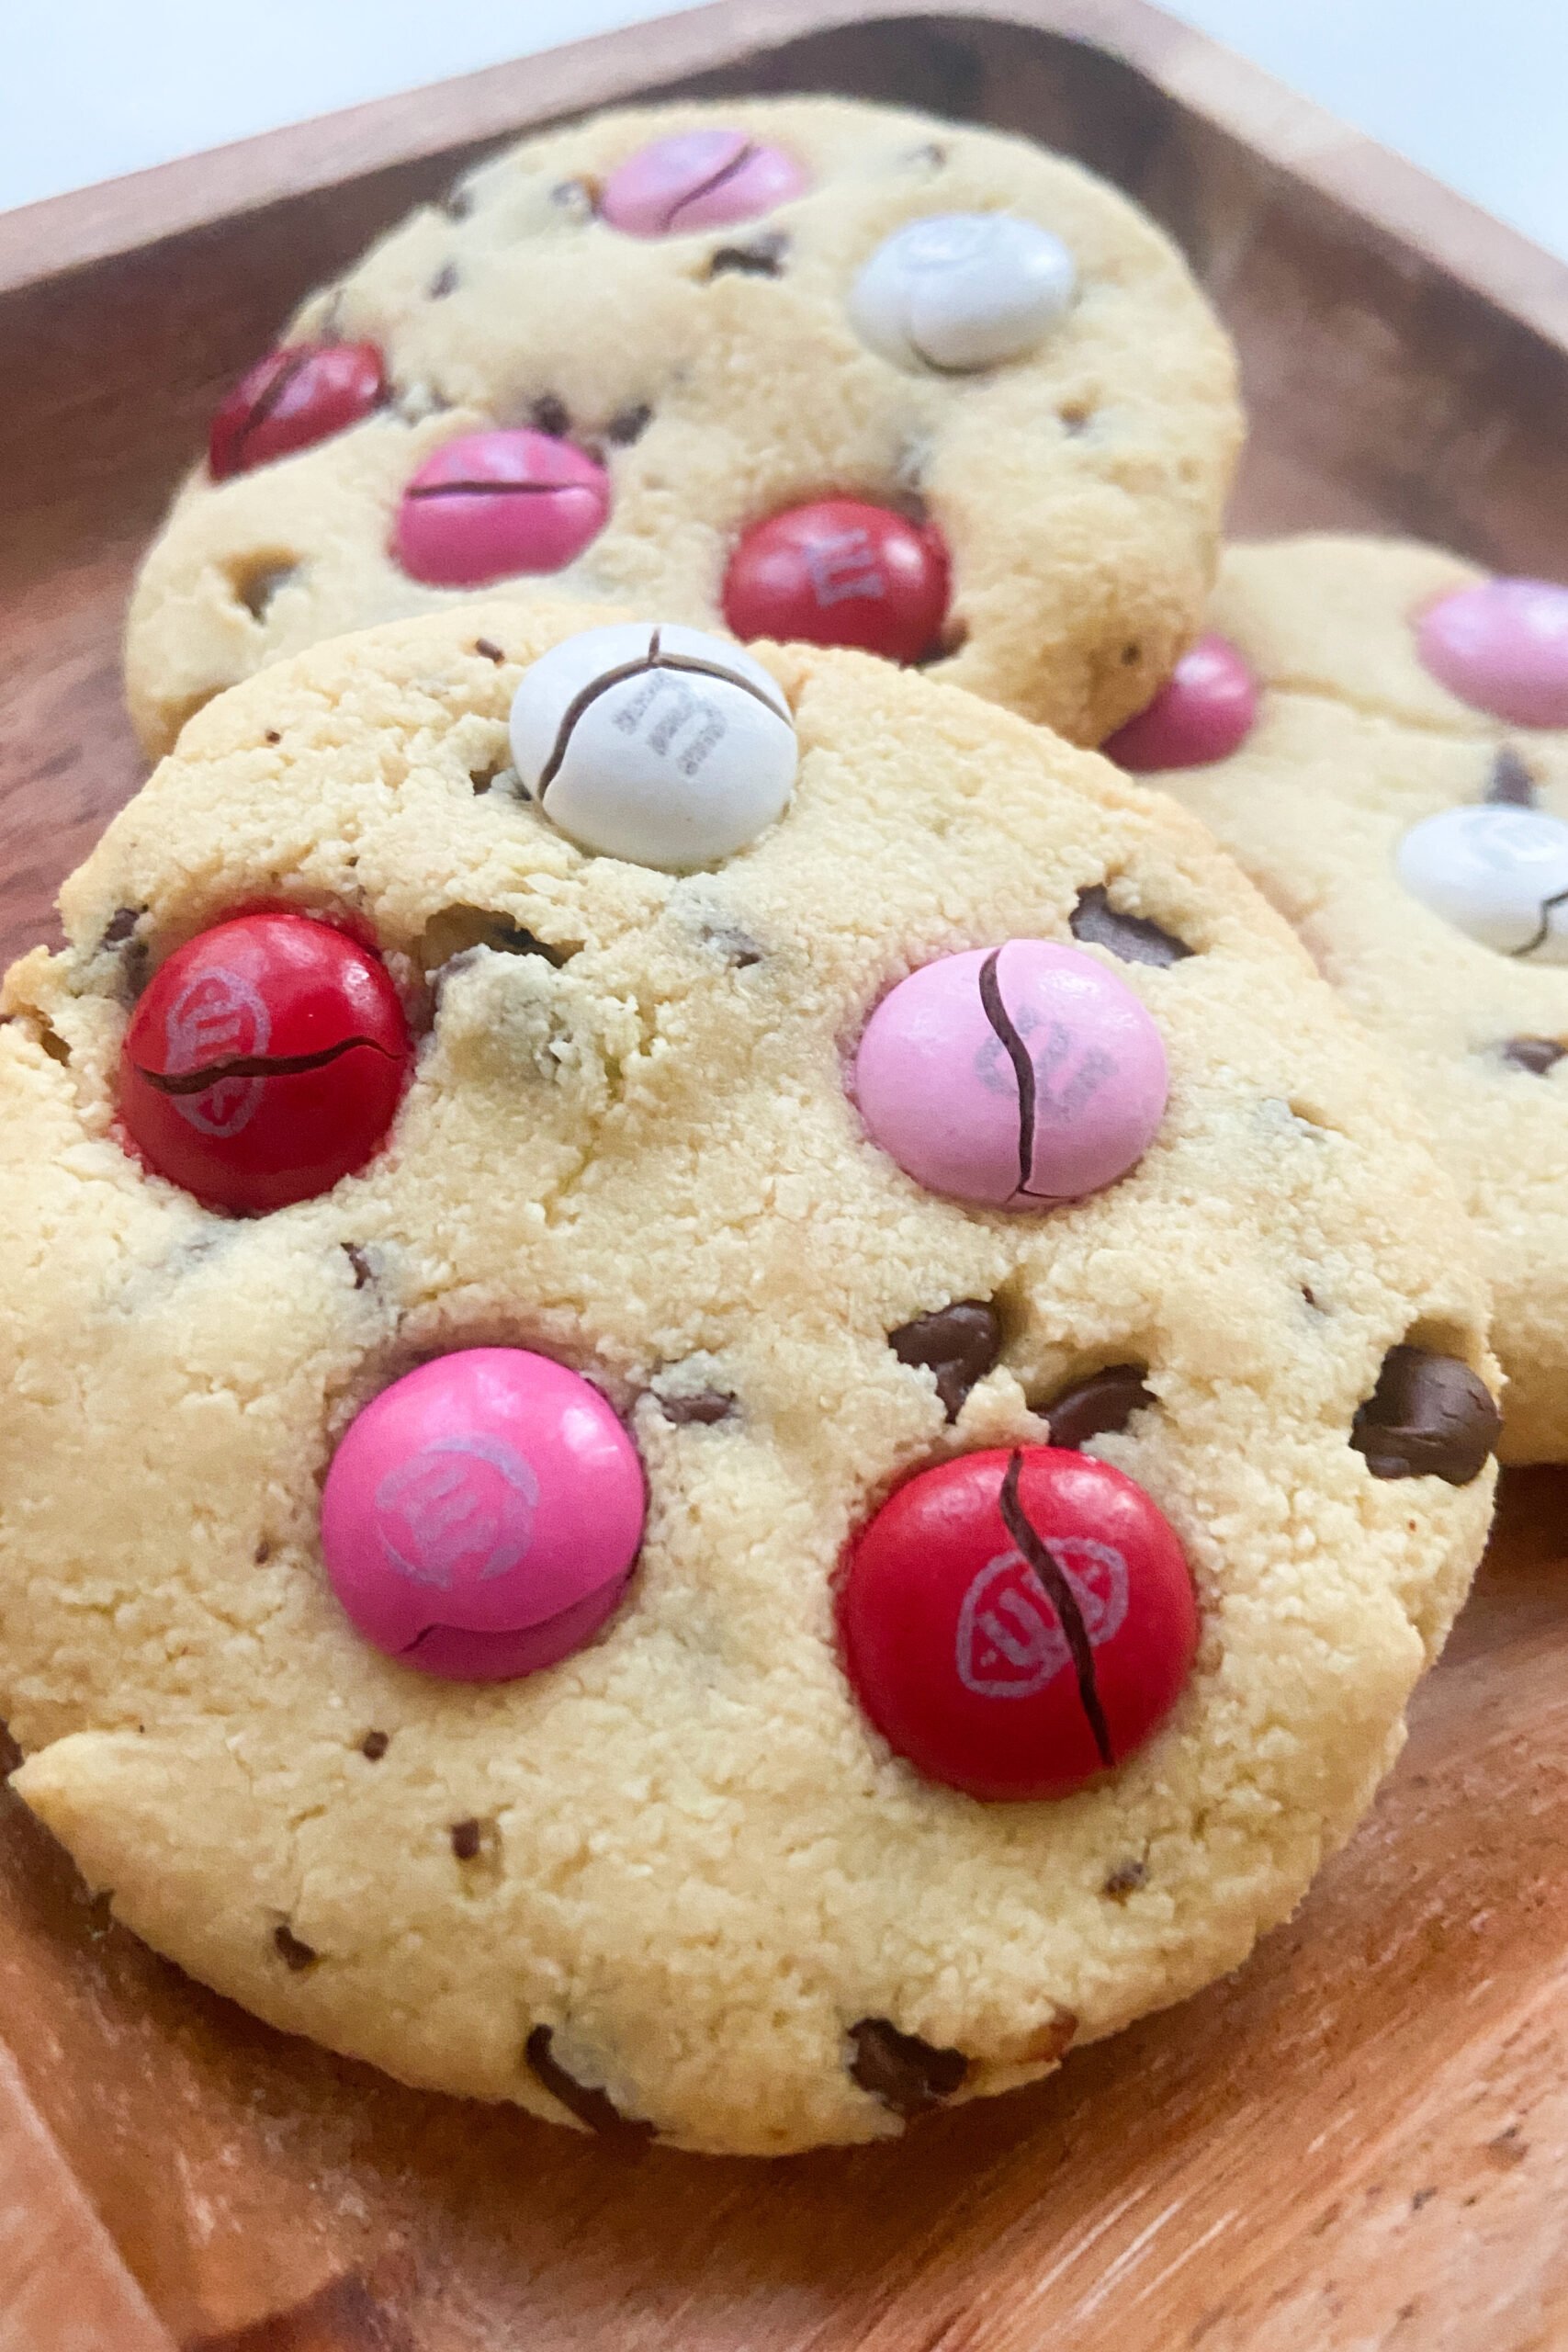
[(1360, 2141)]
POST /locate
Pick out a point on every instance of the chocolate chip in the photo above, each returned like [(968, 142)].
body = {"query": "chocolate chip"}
[(1428, 1416), (1511, 782), (297, 1956), (444, 282), (629, 426), (120, 926), (1126, 1880), (467, 1839), (1538, 1055), (904, 2073), (1132, 937), (592, 2107), (1073, 415), (551, 415), (511, 939), (958, 1343), (490, 651), (262, 1554), (374, 1745), (458, 201), (703, 1405), (1098, 1406), (1130, 654), (360, 1263), (764, 257), (272, 736), (930, 154)]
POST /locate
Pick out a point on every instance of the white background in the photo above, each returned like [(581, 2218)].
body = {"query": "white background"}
[(94, 87)]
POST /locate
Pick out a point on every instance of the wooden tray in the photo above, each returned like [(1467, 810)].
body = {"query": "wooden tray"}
[(1361, 2140)]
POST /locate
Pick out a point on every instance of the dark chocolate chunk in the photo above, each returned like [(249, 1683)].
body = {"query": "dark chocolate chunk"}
[(297, 1956), (120, 926), (629, 426), (490, 651), (958, 1343), (374, 1745), (551, 415), (764, 257), (444, 282), (592, 2107), (1428, 1416), (272, 736), (904, 2073), (704, 1405), (1510, 781), (360, 1263), (1132, 937), (1538, 1055), (467, 1839), (1098, 1406), (1126, 1880)]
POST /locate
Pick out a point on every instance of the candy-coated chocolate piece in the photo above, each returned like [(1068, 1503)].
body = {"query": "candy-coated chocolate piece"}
[(699, 180), (840, 572), (1012, 1077), (1502, 646), (1018, 1620), (489, 506), (291, 399), (1498, 874), (481, 1517), (654, 742), (1205, 710), (264, 1062), (959, 292)]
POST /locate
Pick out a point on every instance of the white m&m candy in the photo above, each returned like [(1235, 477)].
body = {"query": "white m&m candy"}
[(1500, 875), (961, 290), (655, 743)]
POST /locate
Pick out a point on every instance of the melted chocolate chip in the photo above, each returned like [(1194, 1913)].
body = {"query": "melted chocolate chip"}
[(764, 257), (551, 415), (592, 2107), (1428, 1416), (1132, 937), (904, 2073), (262, 1554), (1511, 782), (467, 1839), (1538, 1055), (120, 926), (374, 1745), (444, 282), (1126, 1880), (297, 1956), (958, 1343), (272, 736), (629, 426), (490, 651), (1098, 1406), (704, 1405), (360, 1263)]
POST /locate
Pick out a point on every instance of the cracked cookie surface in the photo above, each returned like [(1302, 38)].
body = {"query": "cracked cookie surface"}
[(718, 379), (1356, 744), (677, 1884)]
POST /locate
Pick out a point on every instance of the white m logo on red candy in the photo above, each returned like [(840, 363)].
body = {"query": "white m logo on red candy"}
[(1009, 1644), (218, 1017)]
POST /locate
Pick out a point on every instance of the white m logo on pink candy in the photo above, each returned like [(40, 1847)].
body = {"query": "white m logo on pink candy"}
[(462, 1507)]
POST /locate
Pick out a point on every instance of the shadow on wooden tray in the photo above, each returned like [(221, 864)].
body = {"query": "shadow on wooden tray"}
[(273, 2198)]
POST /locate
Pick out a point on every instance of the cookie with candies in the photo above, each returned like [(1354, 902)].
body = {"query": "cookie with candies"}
[(729, 1406), (804, 368), (1379, 732)]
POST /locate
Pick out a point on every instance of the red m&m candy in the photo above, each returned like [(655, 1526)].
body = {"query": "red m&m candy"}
[(1015, 1622), (488, 505), (481, 1516), (1205, 710), (264, 1062), (840, 572), (291, 399)]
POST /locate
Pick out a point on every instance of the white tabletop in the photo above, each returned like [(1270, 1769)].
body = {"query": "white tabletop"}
[(93, 88)]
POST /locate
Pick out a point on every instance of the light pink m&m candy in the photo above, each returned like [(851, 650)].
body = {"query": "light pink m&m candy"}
[(481, 1516), (1502, 646), (699, 180), (488, 505), (1205, 710), (1012, 1077)]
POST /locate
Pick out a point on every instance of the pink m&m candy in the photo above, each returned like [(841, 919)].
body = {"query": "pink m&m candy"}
[(699, 180), (1205, 710), (1502, 646), (490, 504), (481, 1516), (1012, 1077)]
